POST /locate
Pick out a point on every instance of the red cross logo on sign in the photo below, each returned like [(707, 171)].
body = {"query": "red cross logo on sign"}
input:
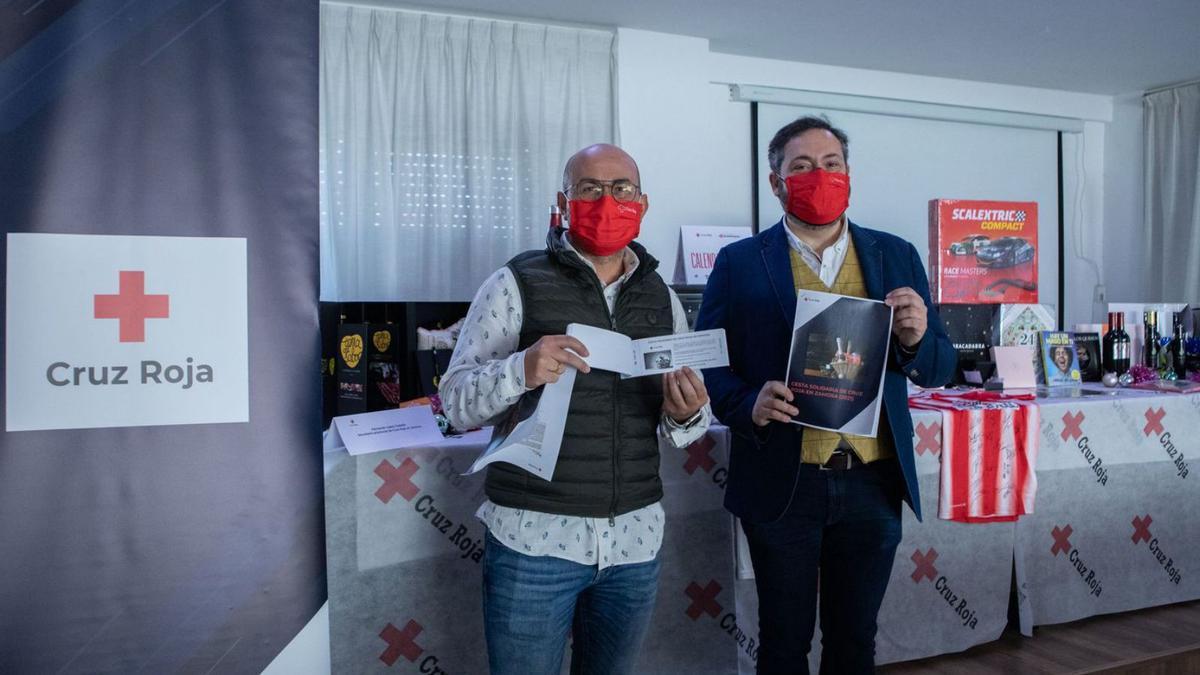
[(704, 600), (401, 642), (924, 563), (929, 438), (397, 480), (131, 306), (1071, 425), (698, 455), (1154, 421), (1141, 528), (1062, 540)]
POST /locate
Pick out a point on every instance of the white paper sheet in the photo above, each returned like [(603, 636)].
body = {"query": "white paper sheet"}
[(607, 350), (533, 442), (390, 429)]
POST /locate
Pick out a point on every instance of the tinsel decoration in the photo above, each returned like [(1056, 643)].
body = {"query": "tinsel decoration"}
[(1142, 374)]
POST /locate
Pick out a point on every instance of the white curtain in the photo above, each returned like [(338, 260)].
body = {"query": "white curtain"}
[(442, 144), (1172, 208)]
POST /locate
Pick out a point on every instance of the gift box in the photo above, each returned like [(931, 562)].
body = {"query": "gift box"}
[(971, 329), (983, 252)]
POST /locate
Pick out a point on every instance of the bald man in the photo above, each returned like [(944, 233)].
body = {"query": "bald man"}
[(580, 550)]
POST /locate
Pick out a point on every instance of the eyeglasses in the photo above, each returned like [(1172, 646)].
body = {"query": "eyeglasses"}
[(621, 190)]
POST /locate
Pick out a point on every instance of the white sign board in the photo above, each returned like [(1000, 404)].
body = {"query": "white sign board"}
[(698, 251), (390, 429), (125, 331)]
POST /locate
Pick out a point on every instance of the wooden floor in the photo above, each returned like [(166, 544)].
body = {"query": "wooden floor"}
[(1156, 641)]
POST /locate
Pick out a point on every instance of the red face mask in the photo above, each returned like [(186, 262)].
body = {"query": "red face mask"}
[(818, 197), (604, 226)]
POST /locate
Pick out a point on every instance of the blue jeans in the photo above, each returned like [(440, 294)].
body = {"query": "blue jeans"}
[(846, 524), (530, 603)]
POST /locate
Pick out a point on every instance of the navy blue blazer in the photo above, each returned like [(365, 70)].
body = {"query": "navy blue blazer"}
[(751, 294)]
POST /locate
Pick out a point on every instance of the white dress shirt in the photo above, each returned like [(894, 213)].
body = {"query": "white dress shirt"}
[(829, 263), (486, 377)]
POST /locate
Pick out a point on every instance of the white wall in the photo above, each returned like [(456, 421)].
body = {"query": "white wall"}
[(693, 144)]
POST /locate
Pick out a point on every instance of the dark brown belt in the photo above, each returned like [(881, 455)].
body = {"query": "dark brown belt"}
[(841, 460)]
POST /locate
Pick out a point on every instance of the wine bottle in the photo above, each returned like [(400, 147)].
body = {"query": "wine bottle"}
[(1178, 348), (1121, 346), (1109, 343), (1150, 350)]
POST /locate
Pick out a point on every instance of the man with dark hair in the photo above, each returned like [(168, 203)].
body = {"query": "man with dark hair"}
[(796, 128), (578, 552), (818, 508)]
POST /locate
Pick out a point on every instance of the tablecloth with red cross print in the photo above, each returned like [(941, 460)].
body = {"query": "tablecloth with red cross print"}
[(404, 551), (1113, 528), (1116, 523)]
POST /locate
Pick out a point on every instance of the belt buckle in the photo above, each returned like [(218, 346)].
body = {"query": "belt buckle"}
[(840, 452)]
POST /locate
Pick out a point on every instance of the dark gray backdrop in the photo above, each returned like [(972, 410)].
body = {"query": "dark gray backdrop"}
[(176, 548)]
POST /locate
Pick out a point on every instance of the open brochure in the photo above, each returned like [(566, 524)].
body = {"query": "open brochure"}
[(531, 436), (837, 363), (654, 355)]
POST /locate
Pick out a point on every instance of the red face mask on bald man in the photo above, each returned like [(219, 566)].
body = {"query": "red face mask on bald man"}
[(604, 226)]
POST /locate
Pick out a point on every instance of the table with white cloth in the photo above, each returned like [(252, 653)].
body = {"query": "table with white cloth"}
[(404, 550), (1113, 529), (1117, 523)]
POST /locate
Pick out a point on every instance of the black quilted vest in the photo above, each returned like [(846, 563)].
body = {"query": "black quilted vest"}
[(608, 464)]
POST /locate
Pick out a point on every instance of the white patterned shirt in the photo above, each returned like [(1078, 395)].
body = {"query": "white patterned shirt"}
[(486, 377)]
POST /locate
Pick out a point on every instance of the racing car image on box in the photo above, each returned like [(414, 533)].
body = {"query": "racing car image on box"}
[(1005, 252), (969, 244)]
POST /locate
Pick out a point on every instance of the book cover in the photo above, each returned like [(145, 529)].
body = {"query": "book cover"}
[(838, 358), (1087, 348), (971, 329), (1060, 362), (983, 251)]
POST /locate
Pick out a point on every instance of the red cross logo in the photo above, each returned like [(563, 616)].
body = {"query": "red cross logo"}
[(704, 600), (929, 438), (397, 480), (1141, 528), (924, 563), (1154, 421), (401, 642), (1062, 540), (1071, 428), (131, 306), (698, 455)]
